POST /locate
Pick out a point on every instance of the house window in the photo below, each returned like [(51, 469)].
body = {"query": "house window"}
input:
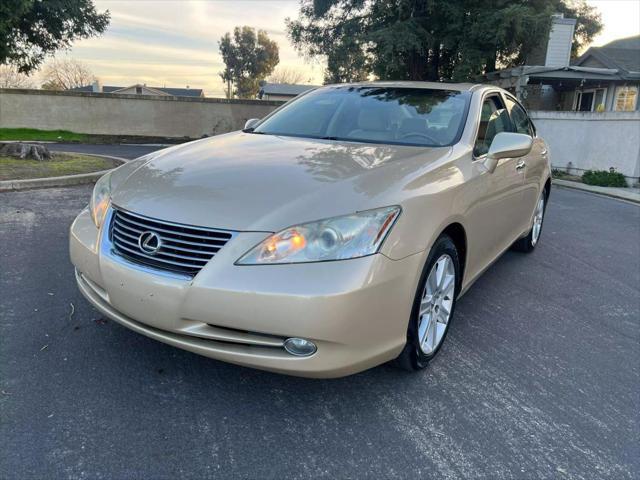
[(590, 100), (626, 99), (138, 90)]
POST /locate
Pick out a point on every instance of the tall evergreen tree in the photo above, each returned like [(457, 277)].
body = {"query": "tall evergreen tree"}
[(430, 39), (30, 30)]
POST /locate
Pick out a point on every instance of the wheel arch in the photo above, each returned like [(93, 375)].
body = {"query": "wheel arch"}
[(458, 235), (547, 187)]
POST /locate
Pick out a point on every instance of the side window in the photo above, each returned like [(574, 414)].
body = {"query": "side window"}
[(493, 120), (519, 117)]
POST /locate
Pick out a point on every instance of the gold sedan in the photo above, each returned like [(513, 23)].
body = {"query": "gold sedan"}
[(331, 236)]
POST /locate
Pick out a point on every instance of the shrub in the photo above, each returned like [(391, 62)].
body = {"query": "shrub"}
[(602, 178), (557, 173)]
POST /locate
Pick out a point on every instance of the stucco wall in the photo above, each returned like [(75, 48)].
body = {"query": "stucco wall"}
[(115, 114), (591, 140)]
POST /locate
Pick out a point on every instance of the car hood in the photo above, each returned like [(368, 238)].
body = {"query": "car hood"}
[(250, 182)]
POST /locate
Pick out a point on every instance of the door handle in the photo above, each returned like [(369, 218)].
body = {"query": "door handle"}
[(520, 165)]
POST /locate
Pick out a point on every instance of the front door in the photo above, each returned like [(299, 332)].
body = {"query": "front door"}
[(497, 215)]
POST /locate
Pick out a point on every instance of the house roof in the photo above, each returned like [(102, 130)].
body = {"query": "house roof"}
[(622, 55), (617, 60), (89, 88), (176, 92), (144, 90), (572, 72), (626, 43), (284, 89)]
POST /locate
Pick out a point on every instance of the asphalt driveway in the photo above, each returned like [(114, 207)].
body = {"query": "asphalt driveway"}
[(539, 377)]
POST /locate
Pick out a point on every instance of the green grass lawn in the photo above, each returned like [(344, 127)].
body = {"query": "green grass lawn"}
[(61, 164), (31, 134)]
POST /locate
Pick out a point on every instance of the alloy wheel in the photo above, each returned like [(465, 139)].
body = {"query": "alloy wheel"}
[(436, 304), (537, 221)]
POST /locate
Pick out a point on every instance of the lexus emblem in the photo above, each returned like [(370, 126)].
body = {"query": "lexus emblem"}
[(149, 242)]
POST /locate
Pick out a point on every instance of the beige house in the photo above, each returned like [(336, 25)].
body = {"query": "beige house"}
[(603, 79)]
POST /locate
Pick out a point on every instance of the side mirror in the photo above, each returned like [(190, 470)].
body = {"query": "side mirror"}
[(251, 123), (507, 145)]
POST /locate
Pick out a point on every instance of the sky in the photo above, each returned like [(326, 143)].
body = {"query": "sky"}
[(174, 43)]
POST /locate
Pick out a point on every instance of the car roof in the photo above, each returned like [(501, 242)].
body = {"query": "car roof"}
[(460, 87)]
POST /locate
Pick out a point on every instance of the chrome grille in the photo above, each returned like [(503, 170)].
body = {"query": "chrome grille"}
[(182, 248)]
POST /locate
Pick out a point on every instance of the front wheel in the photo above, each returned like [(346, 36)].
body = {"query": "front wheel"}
[(528, 243), (433, 306)]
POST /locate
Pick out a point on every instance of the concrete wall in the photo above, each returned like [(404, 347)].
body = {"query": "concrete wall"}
[(115, 114), (591, 140)]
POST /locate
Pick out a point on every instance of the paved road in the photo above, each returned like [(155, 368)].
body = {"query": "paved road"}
[(539, 378)]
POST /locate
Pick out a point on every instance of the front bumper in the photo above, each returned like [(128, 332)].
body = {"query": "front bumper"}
[(355, 311)]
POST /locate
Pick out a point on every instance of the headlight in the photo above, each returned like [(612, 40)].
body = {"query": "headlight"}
[(338, 238), (100, 199)]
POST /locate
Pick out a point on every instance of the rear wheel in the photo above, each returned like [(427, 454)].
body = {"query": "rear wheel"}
[(528, 243), (433, 306)]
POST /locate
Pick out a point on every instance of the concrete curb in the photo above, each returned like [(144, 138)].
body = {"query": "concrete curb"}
[(64, 181), (30, 141), (617, 193)]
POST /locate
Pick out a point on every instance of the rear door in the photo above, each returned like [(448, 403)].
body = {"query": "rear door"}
[(533, 164)]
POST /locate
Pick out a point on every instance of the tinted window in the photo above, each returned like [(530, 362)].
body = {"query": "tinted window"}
[(493, 120), (406, 116), (519, 118)]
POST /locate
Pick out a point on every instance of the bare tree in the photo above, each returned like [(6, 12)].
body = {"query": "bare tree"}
[(288, 75), (65, 74), (11, 78)]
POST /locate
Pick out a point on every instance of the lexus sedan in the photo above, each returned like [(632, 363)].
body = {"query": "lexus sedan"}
[(331, 236)]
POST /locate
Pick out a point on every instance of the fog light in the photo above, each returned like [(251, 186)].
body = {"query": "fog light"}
[(299, 347)]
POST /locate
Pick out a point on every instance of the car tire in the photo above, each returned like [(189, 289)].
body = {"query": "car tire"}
[(420, 349), (527, 243)]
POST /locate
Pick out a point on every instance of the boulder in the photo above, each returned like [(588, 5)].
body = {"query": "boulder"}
[(25, 151)]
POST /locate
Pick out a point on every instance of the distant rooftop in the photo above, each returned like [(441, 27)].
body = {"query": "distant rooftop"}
[(283, 89), (176, 92)]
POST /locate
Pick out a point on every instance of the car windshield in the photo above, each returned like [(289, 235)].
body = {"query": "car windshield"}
[(401, 116)]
